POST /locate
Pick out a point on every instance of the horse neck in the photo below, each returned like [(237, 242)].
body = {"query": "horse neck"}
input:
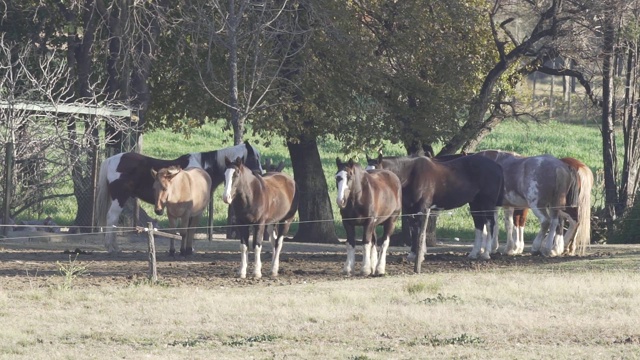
[(248, 186)]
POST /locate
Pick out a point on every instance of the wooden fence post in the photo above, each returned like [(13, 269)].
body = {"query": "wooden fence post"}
[(153, 270), (8, 183)]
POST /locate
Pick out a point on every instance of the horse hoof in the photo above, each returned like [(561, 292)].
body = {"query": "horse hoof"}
[(257, 275), (485, 256), (473, 256)]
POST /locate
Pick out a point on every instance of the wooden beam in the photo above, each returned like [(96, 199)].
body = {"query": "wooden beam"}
[(67, 108)]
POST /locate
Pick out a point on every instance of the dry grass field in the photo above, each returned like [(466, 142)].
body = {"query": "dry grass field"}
[(57, 305)]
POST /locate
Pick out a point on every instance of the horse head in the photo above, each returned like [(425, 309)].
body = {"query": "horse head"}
[(231, 175), (162, 185), (344, 180), (374, 163)]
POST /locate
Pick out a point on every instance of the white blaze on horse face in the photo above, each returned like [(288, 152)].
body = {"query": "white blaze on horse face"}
[(341, 176), (228, 183), (370, 167)]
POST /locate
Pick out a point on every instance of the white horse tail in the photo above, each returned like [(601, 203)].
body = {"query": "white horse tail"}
[(103, 201), (581, 202), (583, 232)]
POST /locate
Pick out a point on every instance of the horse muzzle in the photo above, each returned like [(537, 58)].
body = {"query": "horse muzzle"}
[(227, 199), (159, 211), (341, 203)]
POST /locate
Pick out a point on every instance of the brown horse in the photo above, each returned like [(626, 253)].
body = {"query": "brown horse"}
[(367, 199), (444, 185), (185, 194), (259, 201), (555, 190)]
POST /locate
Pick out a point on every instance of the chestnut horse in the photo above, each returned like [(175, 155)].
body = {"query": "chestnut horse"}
[(443, 185), (367, 199), (128, 175), (259, 201), (185, 194)]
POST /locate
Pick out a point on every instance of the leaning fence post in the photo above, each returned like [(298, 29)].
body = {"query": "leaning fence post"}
[(8, 183), (153, 271)]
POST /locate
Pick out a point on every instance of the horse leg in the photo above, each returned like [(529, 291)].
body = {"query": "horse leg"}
[(521, 219), (422, 240), (367, 248), (414, 232), (243, 232), (547, 247), (172, 246), (277, 240), (488, 229), (388, 226), (544, 217), (479, 243), (349, 266), (511, 247), (113, 214), (495, 232), (184, 232), (191, 232), (571, 217), (258, 235)]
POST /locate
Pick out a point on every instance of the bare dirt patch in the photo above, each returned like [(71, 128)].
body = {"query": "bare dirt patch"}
[(36, 259)]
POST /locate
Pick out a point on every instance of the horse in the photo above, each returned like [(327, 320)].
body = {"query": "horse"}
[(367, 199), (128, 175), (555, 190), (259, 201), (429, 184), (185, 194)]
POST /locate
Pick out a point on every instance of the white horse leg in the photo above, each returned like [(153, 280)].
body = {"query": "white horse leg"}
[(495, 244), (277, 247), (366, 259), (374, 252), (349, 266), (543, 217), (486, 240), (110, 242), (257, 270), (382, 264), (547, 247), (571, 233), (519, 239), (511, 248), (243, 261)]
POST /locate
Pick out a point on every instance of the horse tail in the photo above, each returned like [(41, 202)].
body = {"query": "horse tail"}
[(584, 183), (103, 201)]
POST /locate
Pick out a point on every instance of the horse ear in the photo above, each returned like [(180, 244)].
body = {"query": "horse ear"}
[(338, 162), (380, 158), (280, 166), (351, 163), (227, 162), (239, 160), (154, 173), (174, 170)]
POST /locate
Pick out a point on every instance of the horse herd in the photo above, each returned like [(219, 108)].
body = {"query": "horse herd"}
[(555, 190)]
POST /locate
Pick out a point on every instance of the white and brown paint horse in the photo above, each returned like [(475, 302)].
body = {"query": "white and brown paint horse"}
[(128, 175), (367, 199), (184, 194), (259, 201), (555, 190), (442, 185)]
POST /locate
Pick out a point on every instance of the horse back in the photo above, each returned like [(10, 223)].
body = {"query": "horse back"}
[(280, 196), (385, 191), (133, 173)]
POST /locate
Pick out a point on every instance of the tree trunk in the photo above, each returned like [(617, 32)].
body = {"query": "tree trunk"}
[(314, 210), (608, 134), (631, 131)]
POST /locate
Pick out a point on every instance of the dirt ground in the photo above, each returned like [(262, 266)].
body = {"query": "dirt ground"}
[(36, 259)]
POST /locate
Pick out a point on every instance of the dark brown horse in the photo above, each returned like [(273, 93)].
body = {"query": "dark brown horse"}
[(259, 201), (555, 190), (429, 184), (367, 199), (128, 175), (185, 194)]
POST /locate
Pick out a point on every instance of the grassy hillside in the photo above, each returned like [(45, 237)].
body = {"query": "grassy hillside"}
[(558, 139)]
